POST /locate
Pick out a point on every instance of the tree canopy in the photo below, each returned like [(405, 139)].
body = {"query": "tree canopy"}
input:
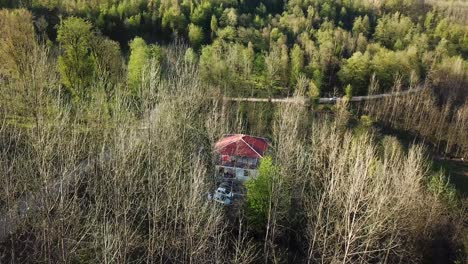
[(76, 64)]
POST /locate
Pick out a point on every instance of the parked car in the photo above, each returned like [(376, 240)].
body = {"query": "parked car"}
[(223, 195)]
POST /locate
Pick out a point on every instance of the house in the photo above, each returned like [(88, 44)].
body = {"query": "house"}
[(238, 156)]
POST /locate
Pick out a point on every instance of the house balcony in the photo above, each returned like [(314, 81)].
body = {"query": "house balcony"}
[(236, 173)]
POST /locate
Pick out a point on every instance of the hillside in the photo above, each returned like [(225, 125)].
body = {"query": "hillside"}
[(110, 110)]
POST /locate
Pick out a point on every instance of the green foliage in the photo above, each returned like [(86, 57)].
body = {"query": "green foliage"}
[(195, 35), (366, 121), (212, 66), (276, 74), (190, 56), (361, 26), (328, 10), (139, 56), (174, 20), (257, 48), (327, 33), (455, 34), (295, 21), (314, 90), (106, 54), (348, 92), (276, 35), (364, 125), (230, 66), (213, 25), (297, 63), (133, 21), (230, 17), (333, 44), (260, 195), (409, 7), (227, 33), (394, 31), (201, 15), (76, 63), (156, 52), (356, 71), (440, 186), (388, 66)]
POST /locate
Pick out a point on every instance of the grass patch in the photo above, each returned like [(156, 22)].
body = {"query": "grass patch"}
[(456, 171)]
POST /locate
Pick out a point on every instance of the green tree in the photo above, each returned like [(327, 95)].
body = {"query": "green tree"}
[(190, 56), (155, 52), (201, 15), (297, 63), (314, 91), (213, 26), (195, 35), (276, 74), (332, 44), (228, 33), (248, 57), (284, 66), (394, 31), (265, 195), (174, 19), (348, 92), (356, 71), (389, 65), (213, 67), (76, 63), (231, 17), (295, 21), (455, 34), (327, 10), (361, 25), (275, 34), (108, 60), (139, 56)]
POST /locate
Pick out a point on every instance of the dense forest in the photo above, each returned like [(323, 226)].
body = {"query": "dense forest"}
[(109, 110), (263, 47)]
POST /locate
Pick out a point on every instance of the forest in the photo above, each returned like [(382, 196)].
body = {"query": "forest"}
[(109, 110)]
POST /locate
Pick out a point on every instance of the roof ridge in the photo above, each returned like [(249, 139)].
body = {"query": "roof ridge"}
[(233, 140), (255, 137), (251, 148)]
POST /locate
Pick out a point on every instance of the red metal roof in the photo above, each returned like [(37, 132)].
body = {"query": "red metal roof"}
[(242, 146)]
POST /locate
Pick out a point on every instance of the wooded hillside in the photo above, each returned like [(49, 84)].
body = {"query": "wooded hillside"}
[(109, 110)]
